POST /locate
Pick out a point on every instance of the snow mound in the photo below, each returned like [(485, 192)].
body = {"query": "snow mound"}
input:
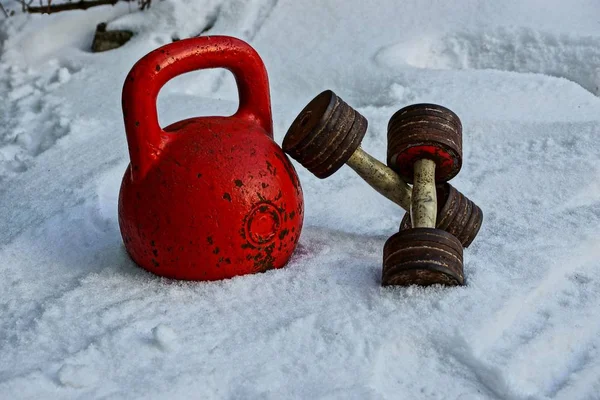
[(576, 58)]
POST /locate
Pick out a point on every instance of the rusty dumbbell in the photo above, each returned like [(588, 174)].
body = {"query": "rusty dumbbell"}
[(425, 148), (327, 134)]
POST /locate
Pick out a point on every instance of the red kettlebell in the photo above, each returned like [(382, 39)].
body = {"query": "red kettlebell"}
[(206, 198)]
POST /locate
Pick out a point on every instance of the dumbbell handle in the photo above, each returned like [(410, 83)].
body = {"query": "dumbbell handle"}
[(381, 178), (423, 207)]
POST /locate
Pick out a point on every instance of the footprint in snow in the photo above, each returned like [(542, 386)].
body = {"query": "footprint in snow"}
[(34, 120)]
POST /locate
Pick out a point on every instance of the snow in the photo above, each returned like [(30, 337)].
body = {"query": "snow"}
[(79, 320)]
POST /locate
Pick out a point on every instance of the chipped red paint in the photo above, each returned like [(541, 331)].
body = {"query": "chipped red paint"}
[(206, 198), (447, 165)]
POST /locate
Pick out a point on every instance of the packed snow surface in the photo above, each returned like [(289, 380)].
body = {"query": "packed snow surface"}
[(79, 320)]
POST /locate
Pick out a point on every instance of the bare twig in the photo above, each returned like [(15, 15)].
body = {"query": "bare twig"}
[(49, 8), (80, 5), (25, 5), (3, 10)]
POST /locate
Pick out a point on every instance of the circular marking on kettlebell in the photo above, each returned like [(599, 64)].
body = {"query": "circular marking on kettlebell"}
[(262, 224)]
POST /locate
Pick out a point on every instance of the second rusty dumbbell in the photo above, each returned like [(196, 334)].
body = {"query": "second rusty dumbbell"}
[(327, 134), (424, 148)]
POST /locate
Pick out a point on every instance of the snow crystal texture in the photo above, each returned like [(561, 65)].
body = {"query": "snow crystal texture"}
[(79, 320)]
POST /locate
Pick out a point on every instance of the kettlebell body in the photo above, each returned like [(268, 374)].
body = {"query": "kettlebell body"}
[(206, 198)]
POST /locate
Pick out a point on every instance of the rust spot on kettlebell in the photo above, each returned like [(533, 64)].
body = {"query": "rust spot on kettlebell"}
[(264, 262), (227, 196), (289, 169), (238, 183)]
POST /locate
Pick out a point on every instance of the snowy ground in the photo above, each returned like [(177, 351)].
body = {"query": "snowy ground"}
[(79, 320)]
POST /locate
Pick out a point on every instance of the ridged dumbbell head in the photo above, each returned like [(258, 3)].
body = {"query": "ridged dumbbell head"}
[(425, 131), (422, 256), (325, 134), (456, 214)]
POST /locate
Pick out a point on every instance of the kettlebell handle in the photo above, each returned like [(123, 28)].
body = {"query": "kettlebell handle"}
[(145, 137)]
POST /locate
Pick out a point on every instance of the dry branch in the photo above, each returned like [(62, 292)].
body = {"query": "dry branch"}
[(80, 5), (3, 10)]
